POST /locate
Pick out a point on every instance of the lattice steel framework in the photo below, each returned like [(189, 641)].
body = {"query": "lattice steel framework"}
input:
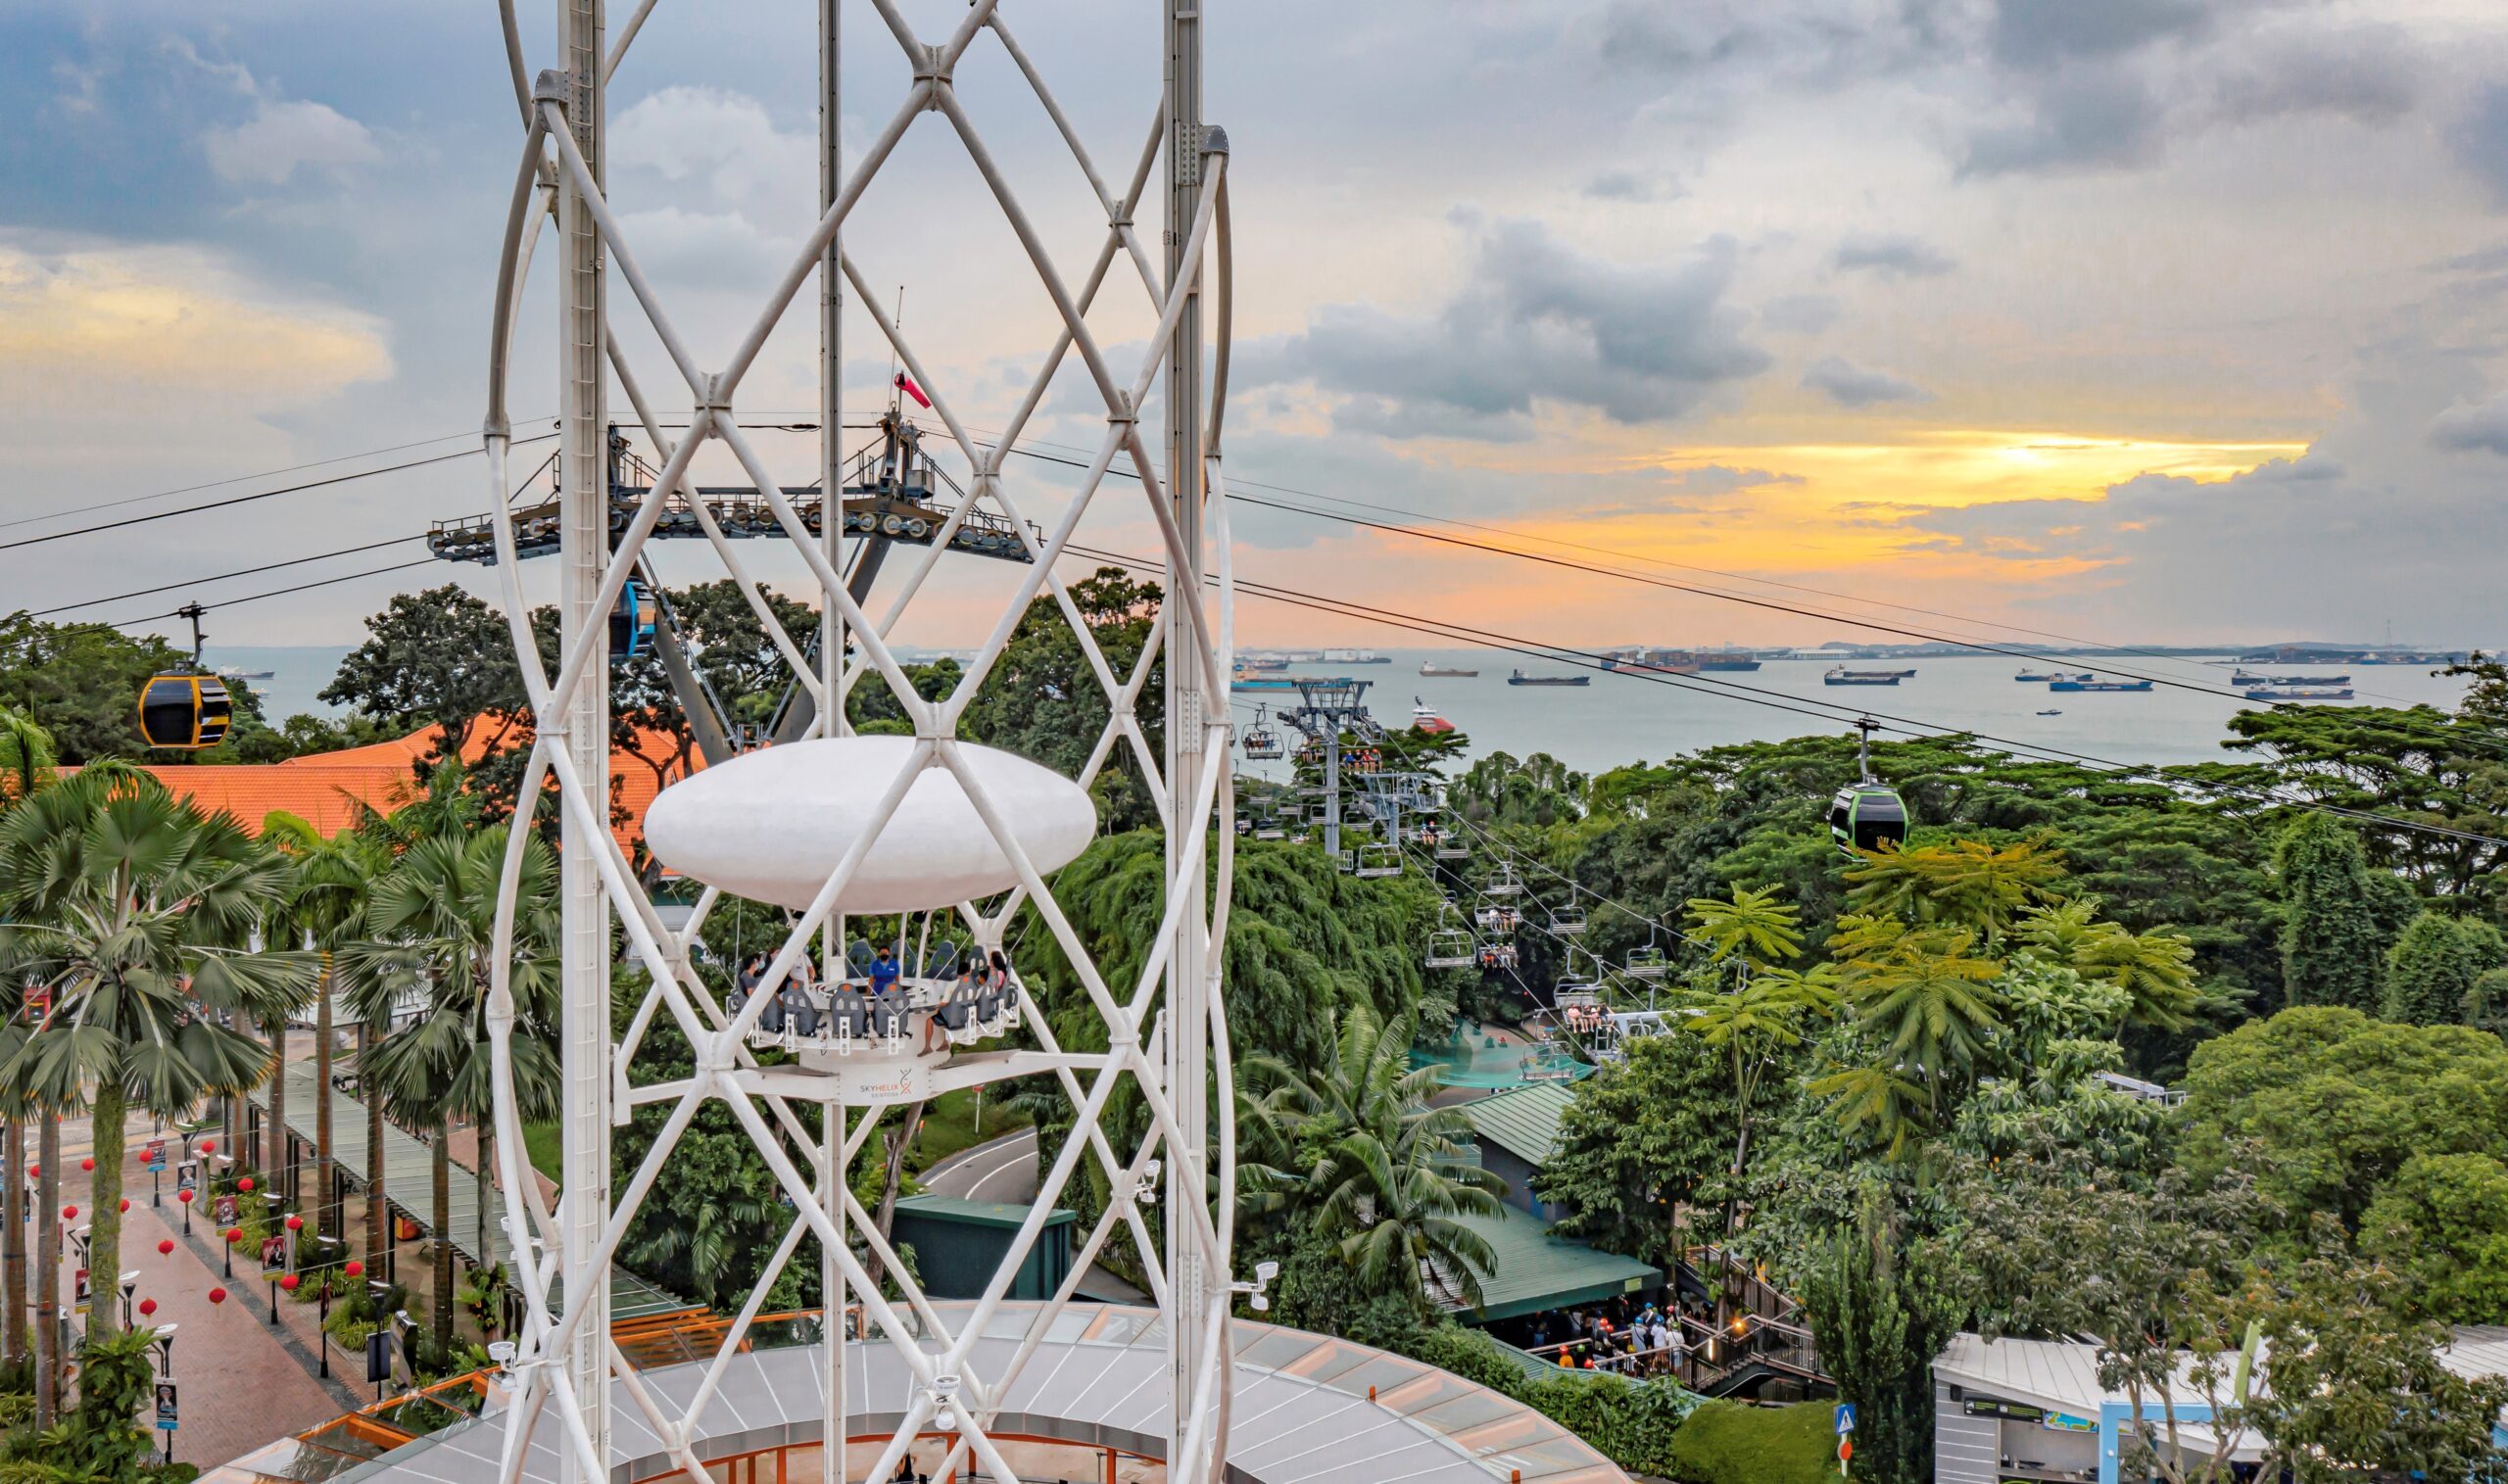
[(1166, 1032)]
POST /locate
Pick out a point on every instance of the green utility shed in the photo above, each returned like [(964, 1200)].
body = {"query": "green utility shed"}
[(959, 1244)]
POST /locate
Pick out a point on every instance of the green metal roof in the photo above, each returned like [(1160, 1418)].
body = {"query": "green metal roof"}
[(1523, 1121), (1537, 1270), (950, 1208)]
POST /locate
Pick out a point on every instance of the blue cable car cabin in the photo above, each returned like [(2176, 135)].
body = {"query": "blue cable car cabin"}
[(631, 623)]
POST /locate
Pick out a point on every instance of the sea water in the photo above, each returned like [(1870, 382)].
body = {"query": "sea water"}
[(1624, 717)]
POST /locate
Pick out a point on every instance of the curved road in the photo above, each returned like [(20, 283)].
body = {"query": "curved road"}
[(999, 1169)]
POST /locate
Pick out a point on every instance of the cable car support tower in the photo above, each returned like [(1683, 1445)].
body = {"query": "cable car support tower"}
[(823, 1093)]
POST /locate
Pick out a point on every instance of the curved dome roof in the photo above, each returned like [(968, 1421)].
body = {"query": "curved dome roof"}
[(1308, 1408), (772, 824)]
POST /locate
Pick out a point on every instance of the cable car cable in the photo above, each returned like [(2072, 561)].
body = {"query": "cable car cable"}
[(294, 561), (238, 499), (303, 587), (193, 489), (1980, 645), (1910, 727), (1845, 618)]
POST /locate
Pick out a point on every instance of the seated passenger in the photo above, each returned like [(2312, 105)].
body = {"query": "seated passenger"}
[(884, 974)]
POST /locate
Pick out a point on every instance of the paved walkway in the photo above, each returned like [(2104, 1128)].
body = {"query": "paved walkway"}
[(243, 1381), (999, 1169)]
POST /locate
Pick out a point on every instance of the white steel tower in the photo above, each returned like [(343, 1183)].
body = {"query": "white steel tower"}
[(925, 826)]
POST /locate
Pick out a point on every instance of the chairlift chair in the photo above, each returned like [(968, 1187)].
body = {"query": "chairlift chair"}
[(1646, 963), (1497, 954), (1262, 743), (1348, 862), (1378, 861), (1448, 948), (1493, 918), (1503, 882), (1567, 922), (1451, 848)]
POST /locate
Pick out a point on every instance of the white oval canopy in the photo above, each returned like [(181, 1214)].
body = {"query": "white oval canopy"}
[(772, 824)]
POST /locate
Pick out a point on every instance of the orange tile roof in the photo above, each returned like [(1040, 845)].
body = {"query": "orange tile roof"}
[(324, 788)]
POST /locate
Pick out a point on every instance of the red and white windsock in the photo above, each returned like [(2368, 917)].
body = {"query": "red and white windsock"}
[(906, 385)]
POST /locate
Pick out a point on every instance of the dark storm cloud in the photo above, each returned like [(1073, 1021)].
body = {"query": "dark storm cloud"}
[(2481, 139), (1892, 256), (1633, 185), (2481, 428), (2045, 33), (2367, 73), (1853, 386), (1536, 322), (2091, 119), (1799, 314)]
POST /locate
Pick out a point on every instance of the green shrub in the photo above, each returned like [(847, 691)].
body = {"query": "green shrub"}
[(1634, 1424), (1729, 1443), (1630, 1422)]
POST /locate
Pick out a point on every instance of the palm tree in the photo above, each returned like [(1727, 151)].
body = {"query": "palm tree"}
[(1355, 1151), (442, 805), (117, 894), (1962, 882), (326, 909), (431, 921), (26, 762), (1927, 996)]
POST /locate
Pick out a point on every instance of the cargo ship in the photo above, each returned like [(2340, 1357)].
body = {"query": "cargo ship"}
[(1842, 676), (1425, 718), (1653, 661), (2249, 678), (2035, 677), (2299, 693), (1519, 678), (1354, 657), (1459, 672), (2101, 685)]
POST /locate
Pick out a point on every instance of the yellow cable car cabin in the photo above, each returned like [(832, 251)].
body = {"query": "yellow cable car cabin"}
[(186, 711)]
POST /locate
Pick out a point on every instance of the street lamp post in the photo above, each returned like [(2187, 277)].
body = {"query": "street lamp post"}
[(166, 1370)]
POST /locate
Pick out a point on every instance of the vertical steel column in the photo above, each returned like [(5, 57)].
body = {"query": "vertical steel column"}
[(583, 553), (832, 720), (1188, 1008)]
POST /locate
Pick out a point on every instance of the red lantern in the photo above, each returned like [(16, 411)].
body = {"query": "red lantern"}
[(184, 1196), (296, 1224), (245, 1184), (235, 1234), (69, 1212), (218, 1295), (354, 1268), (34, 1171), (147, 1307), (288, 1282), (208, 1146), (87, 1164), (125, 1203), (166, 1248)]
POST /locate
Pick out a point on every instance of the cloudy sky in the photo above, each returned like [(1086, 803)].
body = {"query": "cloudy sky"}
[(2141, 319)]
